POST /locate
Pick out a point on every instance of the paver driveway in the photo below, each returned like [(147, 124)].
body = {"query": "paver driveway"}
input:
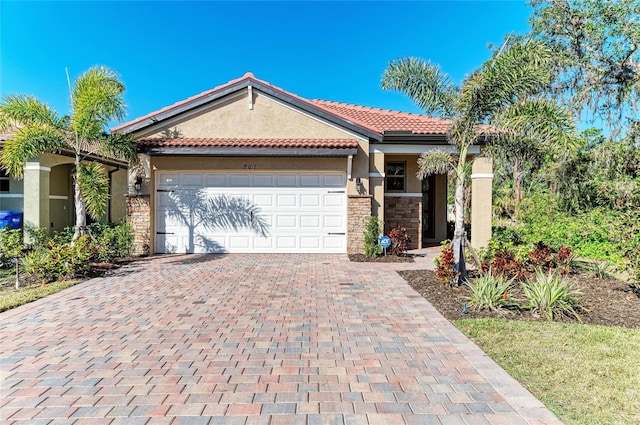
[(249, 339)]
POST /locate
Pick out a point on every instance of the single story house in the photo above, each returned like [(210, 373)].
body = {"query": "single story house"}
[(45, 193), (249, 167)]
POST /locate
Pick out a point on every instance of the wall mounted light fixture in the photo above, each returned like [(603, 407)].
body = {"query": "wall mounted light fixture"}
[(138, 184), (359, 185)]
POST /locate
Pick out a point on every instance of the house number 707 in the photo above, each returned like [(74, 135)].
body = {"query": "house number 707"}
[(250, 166)]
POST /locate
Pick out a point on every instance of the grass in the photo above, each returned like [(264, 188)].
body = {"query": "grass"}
[(585, 374), (10, 298)]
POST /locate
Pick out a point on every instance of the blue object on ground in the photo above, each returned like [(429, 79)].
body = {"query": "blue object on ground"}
[(10, 219)]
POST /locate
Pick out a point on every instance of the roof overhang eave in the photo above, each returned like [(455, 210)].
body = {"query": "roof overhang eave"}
[(216, 151)]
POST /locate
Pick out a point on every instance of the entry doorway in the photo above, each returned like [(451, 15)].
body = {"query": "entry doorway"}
[(428, 209)]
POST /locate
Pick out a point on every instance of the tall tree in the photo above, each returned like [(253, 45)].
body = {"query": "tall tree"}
[(596, 45), (499, 92), (36, 129)]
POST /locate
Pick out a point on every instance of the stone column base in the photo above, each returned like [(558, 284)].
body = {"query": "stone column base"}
[(404, 212), (358, 209), (139, 215)]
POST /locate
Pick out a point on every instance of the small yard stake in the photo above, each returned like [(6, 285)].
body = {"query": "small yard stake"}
[(15, 260)]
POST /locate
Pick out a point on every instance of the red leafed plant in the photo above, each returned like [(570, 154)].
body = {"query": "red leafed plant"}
[(505, 263), (564, 257), (400, 241), (445, 266), (542, 256)]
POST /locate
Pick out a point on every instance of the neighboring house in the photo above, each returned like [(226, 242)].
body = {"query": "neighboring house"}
[(45, 193), (249, 167)]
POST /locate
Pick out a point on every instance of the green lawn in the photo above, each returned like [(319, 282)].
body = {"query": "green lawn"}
[(10, 298), (585, 374)]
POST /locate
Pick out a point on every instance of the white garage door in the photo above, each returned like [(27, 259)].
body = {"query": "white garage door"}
[(199, 212)]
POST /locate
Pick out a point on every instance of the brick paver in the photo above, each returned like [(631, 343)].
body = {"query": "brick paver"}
[(249, 339)]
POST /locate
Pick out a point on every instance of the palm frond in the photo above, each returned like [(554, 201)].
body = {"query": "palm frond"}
[(117, 146), (96, 99), (94, 188), (426, 85), (437, 162), (19, 110), (27, 143), (541, 120)]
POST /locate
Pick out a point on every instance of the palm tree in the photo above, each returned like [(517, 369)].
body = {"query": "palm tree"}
[(495, 103), (36, 129)]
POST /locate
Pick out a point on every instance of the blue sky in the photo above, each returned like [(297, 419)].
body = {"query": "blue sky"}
[(167, 51)]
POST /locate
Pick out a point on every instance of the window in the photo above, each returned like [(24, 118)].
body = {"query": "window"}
[(4, 181), (395, 176)]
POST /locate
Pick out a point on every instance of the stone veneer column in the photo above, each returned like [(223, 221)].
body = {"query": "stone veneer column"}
[(139, 214), (358, 209), (481, 197), (404, 211)]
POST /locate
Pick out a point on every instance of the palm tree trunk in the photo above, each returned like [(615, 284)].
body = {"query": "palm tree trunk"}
[(459, 234), (81, 213)]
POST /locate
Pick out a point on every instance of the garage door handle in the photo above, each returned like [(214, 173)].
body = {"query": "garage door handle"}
[(335, 191), (164, 233), (165, 190), (336, 234)]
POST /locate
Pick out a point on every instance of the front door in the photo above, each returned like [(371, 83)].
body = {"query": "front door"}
[(428, 208)]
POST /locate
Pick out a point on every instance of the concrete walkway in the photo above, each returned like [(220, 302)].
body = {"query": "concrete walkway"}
[(249, 339)]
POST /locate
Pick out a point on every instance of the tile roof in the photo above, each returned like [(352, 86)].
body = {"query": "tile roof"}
[(249, 143), (382, 120)]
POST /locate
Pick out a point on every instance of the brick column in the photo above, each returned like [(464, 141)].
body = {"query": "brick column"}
[(139, 214), (358, 209)]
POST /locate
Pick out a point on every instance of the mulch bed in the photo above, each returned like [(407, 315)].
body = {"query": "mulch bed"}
[(606, 302), (361, 258)]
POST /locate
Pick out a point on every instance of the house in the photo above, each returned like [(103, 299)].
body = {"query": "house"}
[(45, 193), (250, 167)]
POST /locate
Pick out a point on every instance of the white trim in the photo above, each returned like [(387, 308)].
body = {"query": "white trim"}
[(59, 197), (374, 175), (349, 166), (11, 195), (250, 95), (482, 176), (402, 195), (418, 149), (36, 168)]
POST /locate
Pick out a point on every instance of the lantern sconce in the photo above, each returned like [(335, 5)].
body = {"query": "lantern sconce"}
[(138, 184)]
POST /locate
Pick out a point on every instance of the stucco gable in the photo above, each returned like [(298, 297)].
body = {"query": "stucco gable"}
[(234, 117)]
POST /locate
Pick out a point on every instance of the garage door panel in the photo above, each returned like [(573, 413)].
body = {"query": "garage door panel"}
[(284, 201), (271, 212), (310, 200), (216, 180), (287, 180), (286, 242), (333, 222), (310, 242), (263, 200), (334, 180), (310, 222), (239, 180), (333, 200)]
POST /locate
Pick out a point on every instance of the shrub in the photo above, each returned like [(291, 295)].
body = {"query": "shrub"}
[(111, 241), (564, 260), (59, 260), (371, 234), (551, 295), (400, 241), (542, 256), (490, 292), (445, 264), (11, 245)]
